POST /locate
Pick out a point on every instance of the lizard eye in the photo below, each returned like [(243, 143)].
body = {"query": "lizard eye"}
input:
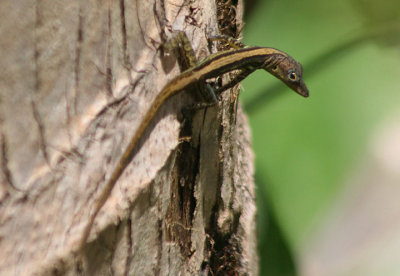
[(292, 76), (274, 68)]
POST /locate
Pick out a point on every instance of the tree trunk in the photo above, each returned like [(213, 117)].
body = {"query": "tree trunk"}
[(76, 79)]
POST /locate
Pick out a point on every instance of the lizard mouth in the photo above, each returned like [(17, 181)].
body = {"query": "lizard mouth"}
[(300, 88)]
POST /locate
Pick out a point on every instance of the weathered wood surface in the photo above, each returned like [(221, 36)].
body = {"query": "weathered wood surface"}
[(75, 79)]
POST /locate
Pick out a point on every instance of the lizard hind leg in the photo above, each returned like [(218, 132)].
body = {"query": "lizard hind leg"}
[(182, 49)]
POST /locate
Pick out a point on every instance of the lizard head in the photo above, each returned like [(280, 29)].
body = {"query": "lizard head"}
[(290, 72)]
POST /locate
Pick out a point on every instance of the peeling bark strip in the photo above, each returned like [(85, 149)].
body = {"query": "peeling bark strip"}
[(77, 77), (180, 214)]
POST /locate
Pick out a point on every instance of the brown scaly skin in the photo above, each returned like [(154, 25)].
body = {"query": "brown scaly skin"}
[(247, 60)]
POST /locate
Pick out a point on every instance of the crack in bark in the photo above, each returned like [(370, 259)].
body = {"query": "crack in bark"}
[(114, 244), (37, 85), (124, 36), (78, 50), (41, 131), (140, 26), (225, 251), (232, 150), (160, 242), (36, 54), (109, 73), (68, 119), (129, 248), (79, 269), (4, 163)]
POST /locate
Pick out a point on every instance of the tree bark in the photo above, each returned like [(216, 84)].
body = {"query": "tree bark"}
[(76, 79)]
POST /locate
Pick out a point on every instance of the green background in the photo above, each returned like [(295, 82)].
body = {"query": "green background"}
[(305, 148)]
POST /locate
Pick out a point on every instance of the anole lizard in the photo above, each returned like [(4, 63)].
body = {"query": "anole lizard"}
[(246, 60)]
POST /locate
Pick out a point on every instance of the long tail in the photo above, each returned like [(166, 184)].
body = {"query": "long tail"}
[(126, 158)]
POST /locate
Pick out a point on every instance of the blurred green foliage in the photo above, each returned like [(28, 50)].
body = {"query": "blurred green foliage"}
[(305, 148)]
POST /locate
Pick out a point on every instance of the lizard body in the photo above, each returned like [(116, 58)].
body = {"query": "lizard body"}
[(247, 60)]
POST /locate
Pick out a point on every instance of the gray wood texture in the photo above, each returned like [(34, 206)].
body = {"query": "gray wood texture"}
[(75, 79)]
